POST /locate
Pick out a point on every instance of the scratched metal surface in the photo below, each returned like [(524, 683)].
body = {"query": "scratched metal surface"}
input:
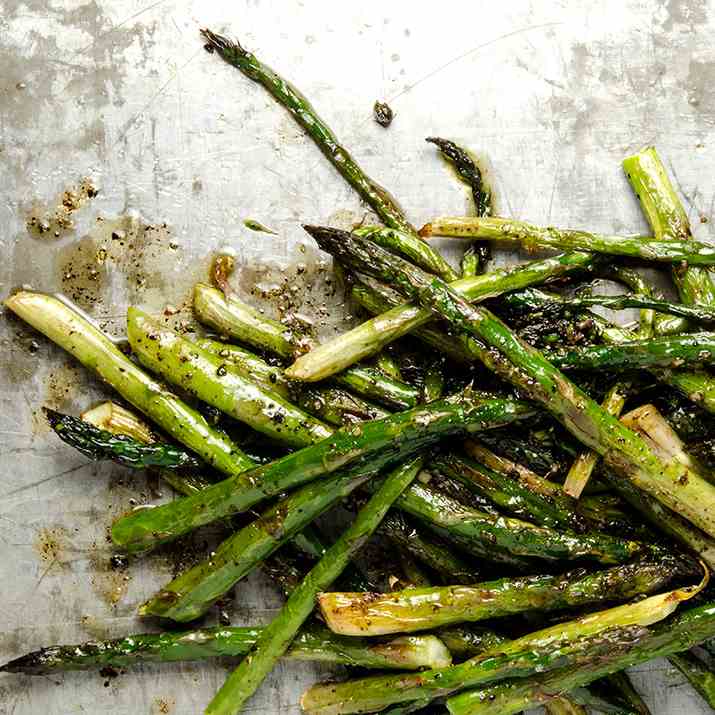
[(554, 93)]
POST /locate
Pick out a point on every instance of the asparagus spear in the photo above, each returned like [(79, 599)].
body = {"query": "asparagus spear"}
[(528, 497), (695, 313), (582, 468), (388, 439), (635, 646), (593, 637), (277, 636), (213, 380), (101, 444), (672, 352), (419, 609), (466, 641), (531, 237), (697, 674), (314, 642), (444, 561), (370, 337), (96, 352), (302, 111), (509, 540), (673, 484), (564, 706), (118, 420), (473, 262), (194, 591), (667, 217), (337, 406)]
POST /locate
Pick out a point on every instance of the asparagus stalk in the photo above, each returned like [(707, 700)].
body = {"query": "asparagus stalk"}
[(520, 493), (278, 635), (444, 561), (593, 637), (673, 484), (419, 609), (667, 217), (370, 337), (302, 111), (698, 314), (314, 642), (697, 674), (375, 385), (671, 352), (582, 468), (118, 420), (337, 407), (464, 642), (388, 440), (638, 284), (96, 352), (101, 444), (532, 237), (564, 706), (636, 646), (212, 380), (473, 261), (500, 538), (468, 171), (412, 247), (387, 364)]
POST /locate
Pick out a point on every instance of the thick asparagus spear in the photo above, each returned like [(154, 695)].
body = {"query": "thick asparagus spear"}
[(590, 637), (388, 439), (697, 674), (96, 352), (512, 493), (212, 380), (314, 642), (441, 559), (531, 236), (420, 609), (509, 540), (667, 217), (583, 466), (635, 646), (278, 635), (302, 111), (366, 381), (370, 337), (101, 444), (691, 349), (194, 591), (675, 485)]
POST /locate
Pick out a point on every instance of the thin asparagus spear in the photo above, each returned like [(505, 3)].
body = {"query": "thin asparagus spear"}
[(675, 351), (468, 172), (625, 689), (100, 444), (194, 591), (302, 111), (509, 540), (513, 493), (370, 337), (96, 352), (531, 237), (667, 217), (277, 636), (472, 263), (582, 468), (231, 317), (697, 674), (695, 313), (366, 381), (390, 439), (449, 565), (637, 645), (590, 637), (387, 364), (314, 642), (412, 247), (503, 352), (640, 286), (420, 609), (337, 406), (466, 641), (213, 380)]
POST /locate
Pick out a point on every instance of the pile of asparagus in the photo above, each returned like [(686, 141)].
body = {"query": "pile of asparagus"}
[(544, 542)]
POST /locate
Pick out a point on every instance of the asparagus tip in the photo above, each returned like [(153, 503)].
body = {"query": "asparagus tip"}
[(214, 41)]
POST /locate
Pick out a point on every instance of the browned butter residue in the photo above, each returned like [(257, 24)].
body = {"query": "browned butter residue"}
[(55, 220), (109, 582), (52, 545)]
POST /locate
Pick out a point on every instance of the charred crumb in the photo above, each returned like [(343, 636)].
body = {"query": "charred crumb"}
[(383, 113)]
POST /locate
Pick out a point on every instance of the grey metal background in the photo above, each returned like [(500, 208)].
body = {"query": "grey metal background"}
[(553, 93)]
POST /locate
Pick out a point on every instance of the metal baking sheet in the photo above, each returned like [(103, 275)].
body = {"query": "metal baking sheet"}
[(182, 149)]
